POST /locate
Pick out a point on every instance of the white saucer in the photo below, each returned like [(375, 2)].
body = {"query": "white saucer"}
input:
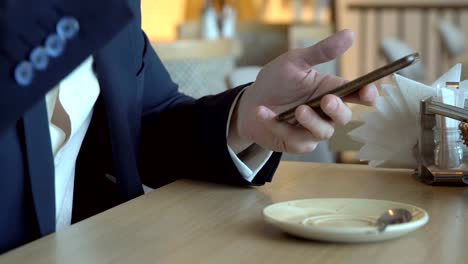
[(340, 220)]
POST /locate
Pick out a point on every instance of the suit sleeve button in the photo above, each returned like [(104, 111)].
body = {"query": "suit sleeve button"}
[(24, 73), (54, 45), (68, 27), (39, 58)]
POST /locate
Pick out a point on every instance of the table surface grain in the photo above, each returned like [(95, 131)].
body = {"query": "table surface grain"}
[(197, 222)]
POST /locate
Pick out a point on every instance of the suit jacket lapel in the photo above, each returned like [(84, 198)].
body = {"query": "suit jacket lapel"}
[(94, 33), (40, 166)]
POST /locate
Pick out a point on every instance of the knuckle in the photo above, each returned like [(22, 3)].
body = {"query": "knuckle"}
[(345, 116), (307, 119), (331, 131), (325, 133), (295, 147), (279, 145), (346, 120), (309, 147)]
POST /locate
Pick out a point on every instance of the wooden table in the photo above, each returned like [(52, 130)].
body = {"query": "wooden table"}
[(195, 222)]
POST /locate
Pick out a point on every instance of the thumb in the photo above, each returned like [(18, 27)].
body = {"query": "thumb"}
[(327, 49)]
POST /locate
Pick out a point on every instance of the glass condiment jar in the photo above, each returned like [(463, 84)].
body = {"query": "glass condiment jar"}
[(448, 151)]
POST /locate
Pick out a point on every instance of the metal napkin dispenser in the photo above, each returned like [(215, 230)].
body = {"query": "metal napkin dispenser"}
[(428, 171)]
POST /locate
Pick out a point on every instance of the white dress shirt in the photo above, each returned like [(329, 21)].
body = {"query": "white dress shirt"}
[(70, 108)]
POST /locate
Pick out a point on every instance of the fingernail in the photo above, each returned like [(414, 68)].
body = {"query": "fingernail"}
[(371, 95), (304, 114), (331, 105)]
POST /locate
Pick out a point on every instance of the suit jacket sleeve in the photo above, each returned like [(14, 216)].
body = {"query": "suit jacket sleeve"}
[(183, 137)]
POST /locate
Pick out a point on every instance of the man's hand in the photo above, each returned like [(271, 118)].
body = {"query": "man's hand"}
[(286, 82)]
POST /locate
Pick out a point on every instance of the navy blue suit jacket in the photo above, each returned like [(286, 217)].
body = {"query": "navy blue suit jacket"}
[(142, 129)]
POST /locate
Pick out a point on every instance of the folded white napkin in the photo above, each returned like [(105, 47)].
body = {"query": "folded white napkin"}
[(390, 134)]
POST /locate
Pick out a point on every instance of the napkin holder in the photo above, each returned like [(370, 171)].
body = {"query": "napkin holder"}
[(427, 171)]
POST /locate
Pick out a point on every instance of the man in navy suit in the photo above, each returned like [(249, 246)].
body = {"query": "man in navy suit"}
[(88, 114)]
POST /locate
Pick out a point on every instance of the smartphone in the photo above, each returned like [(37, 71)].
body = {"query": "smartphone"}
[(353, 86)]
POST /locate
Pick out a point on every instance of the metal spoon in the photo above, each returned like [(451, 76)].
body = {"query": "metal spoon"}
[(393, 216)]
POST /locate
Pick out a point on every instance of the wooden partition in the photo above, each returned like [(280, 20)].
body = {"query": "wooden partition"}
[(413, 21)]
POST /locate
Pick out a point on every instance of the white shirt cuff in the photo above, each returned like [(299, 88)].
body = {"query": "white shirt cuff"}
[(254, 160)]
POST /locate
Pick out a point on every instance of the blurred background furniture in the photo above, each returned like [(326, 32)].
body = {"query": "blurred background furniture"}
[(394, 49), (306, 35), (246, 9), (242, 75), (385, 29), (261, 42), (199, 66), (414, 22), (454, 41)]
